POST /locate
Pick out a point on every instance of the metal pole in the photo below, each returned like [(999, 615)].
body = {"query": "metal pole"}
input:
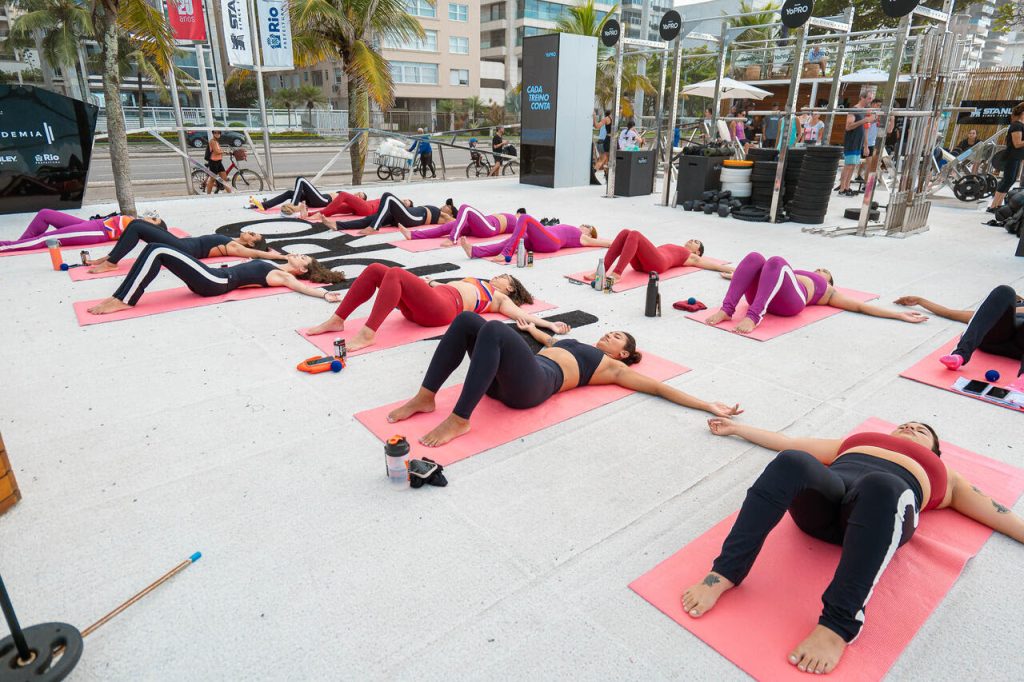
[(213, 21), (204, 95), (657, 115), (609, 190), (257, 57), (179, 124), (833, 95), (641, 67), (787, 120), (666, 187), (890, 101), (719, 75)]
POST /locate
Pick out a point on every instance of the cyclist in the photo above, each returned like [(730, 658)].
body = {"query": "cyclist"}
[(426, 153), (215, 162)]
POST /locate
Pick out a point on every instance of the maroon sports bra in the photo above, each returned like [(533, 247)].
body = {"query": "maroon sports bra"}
[(929, 461)]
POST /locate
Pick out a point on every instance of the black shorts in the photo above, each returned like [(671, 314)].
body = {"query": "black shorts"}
[(606, 145), (215, 166)]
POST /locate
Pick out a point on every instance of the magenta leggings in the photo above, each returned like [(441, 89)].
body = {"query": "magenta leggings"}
[(536, 237), (769, 285), (470, 223), (71, 231)]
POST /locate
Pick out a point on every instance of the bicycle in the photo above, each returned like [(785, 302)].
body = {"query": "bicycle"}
[(478, 165), (244, 179)]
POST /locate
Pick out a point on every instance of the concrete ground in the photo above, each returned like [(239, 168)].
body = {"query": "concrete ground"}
[(136, 443)]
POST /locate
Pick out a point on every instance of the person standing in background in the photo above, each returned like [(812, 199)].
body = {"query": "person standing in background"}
[(771, 127), (497, 142), (603, 126)]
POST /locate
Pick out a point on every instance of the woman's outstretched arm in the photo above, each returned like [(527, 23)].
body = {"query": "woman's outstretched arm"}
[(696, 261), (628, 378), (970, 501), (587, 240), (284, 279), (936, 309), (838, 300), (510, 310), (822, 449), (236, 249)]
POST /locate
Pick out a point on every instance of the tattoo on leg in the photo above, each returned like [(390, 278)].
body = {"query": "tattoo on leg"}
[(711, 579), (977, 490), (1000, 508)]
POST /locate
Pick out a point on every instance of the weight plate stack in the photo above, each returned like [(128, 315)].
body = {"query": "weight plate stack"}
[(762, 178), (812, 189), (756, 154), (791, 178)]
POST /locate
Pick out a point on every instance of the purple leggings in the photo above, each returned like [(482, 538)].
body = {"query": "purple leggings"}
[(470, 223), (71, 231), (769, 285), (537, 238)]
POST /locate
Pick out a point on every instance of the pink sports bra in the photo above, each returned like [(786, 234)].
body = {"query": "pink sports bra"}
[(929, 461), (484, 294)]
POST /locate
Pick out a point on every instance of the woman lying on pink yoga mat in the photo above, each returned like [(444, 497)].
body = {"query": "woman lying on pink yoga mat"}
[(469, 222), (772, 286), (428, 304), (632, 248), (537, 237), (864, 493), (248, 245), (203, 280), (503, 366), (996, 327), (72, 230)]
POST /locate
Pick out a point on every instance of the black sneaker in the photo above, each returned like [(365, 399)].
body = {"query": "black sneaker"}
[(991, 210)]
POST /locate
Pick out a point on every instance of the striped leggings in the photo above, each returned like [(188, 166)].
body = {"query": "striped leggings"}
[(70, 230), (199, 278)]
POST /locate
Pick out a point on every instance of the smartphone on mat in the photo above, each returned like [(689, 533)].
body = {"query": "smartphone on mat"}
[(975, 387), (997, 393)]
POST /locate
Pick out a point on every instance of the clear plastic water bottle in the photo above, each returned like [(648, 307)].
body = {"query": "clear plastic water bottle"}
[(396, 457), (521, 254)]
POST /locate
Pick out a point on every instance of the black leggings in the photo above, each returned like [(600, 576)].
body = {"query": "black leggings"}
[(995, 328), (391, 211), (199, 278), (304, 191), (866, 504), (427, 163), (501, 365), (1010, 169), (147, 232)]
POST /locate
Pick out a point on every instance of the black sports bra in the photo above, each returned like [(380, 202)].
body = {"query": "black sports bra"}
[(248, 274), (587, 357), (433, 214)]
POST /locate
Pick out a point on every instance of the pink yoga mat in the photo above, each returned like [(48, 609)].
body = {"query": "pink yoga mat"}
[(81, 274), (757, 624), (932, 372), (395, 331), (494, 424), (417, 245), (66, 249), (775, 325), (179, 298), (631, 279)]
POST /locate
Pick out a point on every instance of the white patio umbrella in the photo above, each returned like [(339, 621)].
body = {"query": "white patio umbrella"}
[(731, 89), (870, 75)]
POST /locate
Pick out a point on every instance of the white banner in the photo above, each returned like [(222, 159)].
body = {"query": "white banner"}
[(237, 34), (275, 34)]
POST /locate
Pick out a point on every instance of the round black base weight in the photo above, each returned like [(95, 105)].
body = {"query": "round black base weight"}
[(44, 640)]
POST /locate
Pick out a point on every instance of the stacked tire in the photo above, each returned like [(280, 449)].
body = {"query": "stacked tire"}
[(735, 178), (808, 202)]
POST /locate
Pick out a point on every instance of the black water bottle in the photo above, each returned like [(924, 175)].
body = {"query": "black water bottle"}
[(653, 307)]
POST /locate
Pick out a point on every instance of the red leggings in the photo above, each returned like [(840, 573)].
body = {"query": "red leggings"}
[(634, 249), (397, 288), (345, 203)]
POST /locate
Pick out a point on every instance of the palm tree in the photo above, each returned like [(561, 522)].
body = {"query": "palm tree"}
[(473, 105), (61, 26), (286, 98), (765, 15), (111, 18), (585, 19), (310, 96), (352, 31), (134, 62), (449, 107)]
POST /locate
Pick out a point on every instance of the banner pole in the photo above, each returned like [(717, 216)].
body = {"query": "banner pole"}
[(257, 58)]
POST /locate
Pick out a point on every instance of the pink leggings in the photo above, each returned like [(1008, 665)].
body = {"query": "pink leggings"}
[(536, 237), (770, 286), (470, 223), (397, 288), (71, 231)]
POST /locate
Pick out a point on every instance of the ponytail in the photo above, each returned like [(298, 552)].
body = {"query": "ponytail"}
[(634, 356)]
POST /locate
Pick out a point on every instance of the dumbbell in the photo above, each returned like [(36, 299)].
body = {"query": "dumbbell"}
[(735, 203), (688, 205), (709, 195), (698, 205), (709, 208), (723, 210), (727, 194)]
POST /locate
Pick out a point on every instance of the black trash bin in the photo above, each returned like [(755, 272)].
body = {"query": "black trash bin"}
[(698, 174), (634, 173)]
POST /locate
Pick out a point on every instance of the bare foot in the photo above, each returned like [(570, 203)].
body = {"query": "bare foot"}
[(699, 598), (363, 338), (110, 305), (365, 231), (590, 276), (447, 243), (718, 318), (819, 652), (333, 324), (406, 232), (423, 401), (464, 243), (451, 428), (303, 211), (745, 326), (96, 261), (105, 266)]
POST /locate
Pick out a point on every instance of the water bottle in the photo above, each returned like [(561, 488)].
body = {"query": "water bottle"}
[(653, 307), (598, 282), (396, 456), (55, 255), (521, 254)]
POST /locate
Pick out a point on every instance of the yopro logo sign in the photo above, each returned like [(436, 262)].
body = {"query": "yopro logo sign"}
[(795, 13), (610, 33), (670, 25)]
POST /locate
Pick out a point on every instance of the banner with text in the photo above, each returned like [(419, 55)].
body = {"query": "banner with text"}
[(275, 33), (186, 20), (237, 34)]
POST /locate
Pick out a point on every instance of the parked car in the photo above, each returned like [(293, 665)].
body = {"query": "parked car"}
[(228, 138)]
